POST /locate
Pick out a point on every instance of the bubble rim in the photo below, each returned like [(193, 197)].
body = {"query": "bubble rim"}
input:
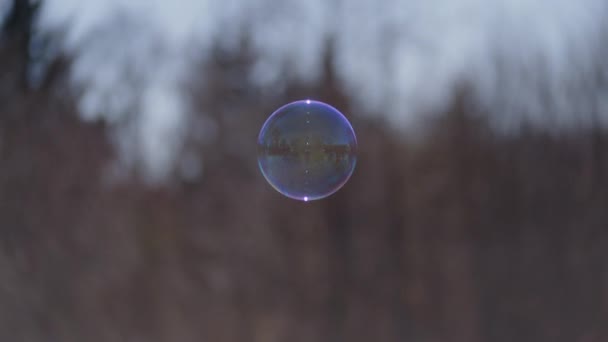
[(308, 102)]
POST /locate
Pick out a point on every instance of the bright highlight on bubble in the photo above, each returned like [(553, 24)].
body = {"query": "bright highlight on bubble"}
[(307, 150)]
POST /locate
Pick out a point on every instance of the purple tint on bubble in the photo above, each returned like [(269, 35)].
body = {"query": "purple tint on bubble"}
[(307, 150)]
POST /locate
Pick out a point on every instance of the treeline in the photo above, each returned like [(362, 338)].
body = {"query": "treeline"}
[(463, 235)]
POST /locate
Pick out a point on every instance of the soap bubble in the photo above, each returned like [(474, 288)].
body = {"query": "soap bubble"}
[(307, 150)]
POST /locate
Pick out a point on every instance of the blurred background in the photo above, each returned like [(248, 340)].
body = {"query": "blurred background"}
[(132, 209)]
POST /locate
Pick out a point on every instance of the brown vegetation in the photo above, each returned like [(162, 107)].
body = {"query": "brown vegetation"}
[(466, 235)]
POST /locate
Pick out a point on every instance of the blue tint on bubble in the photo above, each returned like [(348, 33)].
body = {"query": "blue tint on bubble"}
[(307, 150)]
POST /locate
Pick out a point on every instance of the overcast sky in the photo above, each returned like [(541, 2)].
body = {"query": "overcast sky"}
[(398, 58)]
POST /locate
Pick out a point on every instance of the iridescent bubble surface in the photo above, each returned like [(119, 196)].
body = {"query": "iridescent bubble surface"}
[(307, 150)]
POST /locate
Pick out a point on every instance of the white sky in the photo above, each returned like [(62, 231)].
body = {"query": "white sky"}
[(398, 58)]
